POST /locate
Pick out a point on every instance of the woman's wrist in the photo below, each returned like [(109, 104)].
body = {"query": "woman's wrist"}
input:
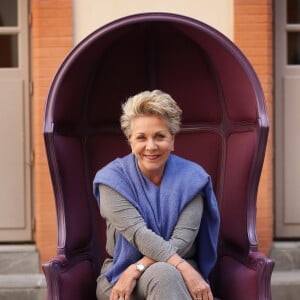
[(176, 261), (141, 265), (179, 262), (134, 272)]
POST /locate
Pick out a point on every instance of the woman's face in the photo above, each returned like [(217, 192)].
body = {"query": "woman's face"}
[(151, 142)]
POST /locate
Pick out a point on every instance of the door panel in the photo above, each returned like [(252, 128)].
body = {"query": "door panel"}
[(12, 156), (291, 145)]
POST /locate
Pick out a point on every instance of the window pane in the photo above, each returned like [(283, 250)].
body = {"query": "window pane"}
[(294, 48), (293, 11), (8, 13), (9, 51)]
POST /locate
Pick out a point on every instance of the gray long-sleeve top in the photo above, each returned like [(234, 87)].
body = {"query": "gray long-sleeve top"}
[(122, 217)]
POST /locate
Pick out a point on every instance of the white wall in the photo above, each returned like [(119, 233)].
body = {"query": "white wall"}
[(91, 14)]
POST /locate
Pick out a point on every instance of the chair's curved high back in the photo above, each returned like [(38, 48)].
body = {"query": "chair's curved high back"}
[(224, 129)]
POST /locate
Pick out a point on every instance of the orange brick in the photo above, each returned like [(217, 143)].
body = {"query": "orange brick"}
[(51, 41), (253, 34)]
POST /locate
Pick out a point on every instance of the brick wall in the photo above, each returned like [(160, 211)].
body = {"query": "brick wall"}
[(253, 35), (51, 41)]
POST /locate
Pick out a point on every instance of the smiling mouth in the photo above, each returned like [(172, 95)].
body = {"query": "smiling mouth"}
[(152, 157)]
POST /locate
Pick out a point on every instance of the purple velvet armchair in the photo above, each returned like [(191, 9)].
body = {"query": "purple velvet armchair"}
[(224, 128)]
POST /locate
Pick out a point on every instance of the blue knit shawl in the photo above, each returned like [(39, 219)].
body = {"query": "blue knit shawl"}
[(161, 206)]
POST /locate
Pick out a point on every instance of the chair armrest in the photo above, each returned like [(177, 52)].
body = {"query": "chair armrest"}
[(74, 279), (248, 279)]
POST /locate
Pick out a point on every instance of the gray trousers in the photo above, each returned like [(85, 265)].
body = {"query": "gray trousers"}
[(160, 281)]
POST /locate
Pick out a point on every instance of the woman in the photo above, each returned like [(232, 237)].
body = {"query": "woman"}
[(161, 213)]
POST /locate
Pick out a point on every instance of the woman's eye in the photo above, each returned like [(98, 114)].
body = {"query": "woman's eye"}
[(160, 136), (140, 137)]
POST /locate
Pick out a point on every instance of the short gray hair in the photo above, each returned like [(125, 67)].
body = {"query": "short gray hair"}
[(150, 103)]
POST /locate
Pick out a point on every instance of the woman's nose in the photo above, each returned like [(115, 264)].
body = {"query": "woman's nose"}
[(151, 145)]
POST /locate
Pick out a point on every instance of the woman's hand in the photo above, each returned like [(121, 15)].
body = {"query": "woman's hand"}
[(197, 286), (125, 285), (128, 279)]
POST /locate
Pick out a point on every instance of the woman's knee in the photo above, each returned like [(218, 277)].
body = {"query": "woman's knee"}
[(163, 267), (162, 281), (163, 274)]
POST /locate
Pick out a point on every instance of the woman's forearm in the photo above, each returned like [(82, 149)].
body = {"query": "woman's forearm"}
[(188, 225)]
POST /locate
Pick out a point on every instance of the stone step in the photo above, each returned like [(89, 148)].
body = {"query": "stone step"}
[(22, 286), (19, 259), (285, 282), (286, 256), (285, 285)]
